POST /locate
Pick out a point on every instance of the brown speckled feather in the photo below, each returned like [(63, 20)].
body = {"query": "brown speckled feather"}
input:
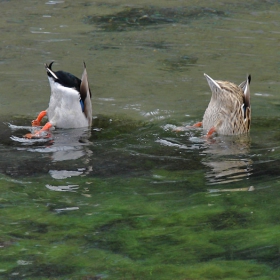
[(229, 111)]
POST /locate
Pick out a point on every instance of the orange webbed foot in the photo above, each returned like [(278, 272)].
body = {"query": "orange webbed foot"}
[(29, 135), (36, 123), (198, 124), (183, 128), (37, 135), (43, 133)]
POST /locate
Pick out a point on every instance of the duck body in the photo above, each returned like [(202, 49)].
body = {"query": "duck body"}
[(70, 102), (229, 110)]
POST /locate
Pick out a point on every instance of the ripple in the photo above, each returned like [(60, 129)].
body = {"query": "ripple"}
[(171, 144), (17, 127), (168, 127), (54, 2), (67, 209), (262, 94), (157, 114), (27, 141), (106, 99)]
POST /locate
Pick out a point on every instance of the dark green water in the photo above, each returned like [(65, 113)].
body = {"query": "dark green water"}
[(131, 199)]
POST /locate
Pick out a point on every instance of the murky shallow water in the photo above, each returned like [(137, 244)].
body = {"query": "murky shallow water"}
[(131, 199)]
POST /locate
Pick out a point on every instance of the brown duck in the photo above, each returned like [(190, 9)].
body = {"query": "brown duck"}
[(229, 111)]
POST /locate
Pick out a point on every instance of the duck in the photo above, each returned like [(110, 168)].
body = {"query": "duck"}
[(70, 102), (229, 110)]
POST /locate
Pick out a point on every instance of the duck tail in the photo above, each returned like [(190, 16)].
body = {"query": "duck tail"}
[(49, 70)]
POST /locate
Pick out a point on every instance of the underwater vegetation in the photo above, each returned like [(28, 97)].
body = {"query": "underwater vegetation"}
[(135, 228), (139, 210), (139, 18)]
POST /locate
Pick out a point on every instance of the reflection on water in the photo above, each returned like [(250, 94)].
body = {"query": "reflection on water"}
[(68, 188), (69, 144), (62, 174), (247, 189), (228, 158)]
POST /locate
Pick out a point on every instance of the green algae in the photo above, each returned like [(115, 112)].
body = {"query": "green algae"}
[(125, 228), (150, 215)]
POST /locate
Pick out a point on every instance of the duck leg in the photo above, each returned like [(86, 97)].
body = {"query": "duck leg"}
[(37, 122), (210, 132), (41, 133)]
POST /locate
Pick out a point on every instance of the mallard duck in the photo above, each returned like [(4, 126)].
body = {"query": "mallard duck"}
[(70, 102), (229, 111)]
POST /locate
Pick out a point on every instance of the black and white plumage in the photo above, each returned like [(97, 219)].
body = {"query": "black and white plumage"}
[(70, 101)]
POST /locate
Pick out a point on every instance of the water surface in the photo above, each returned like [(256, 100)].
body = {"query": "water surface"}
[(129, 198)]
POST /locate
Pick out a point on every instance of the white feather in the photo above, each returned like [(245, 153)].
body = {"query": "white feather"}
[(212, 82), (64, 107)]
